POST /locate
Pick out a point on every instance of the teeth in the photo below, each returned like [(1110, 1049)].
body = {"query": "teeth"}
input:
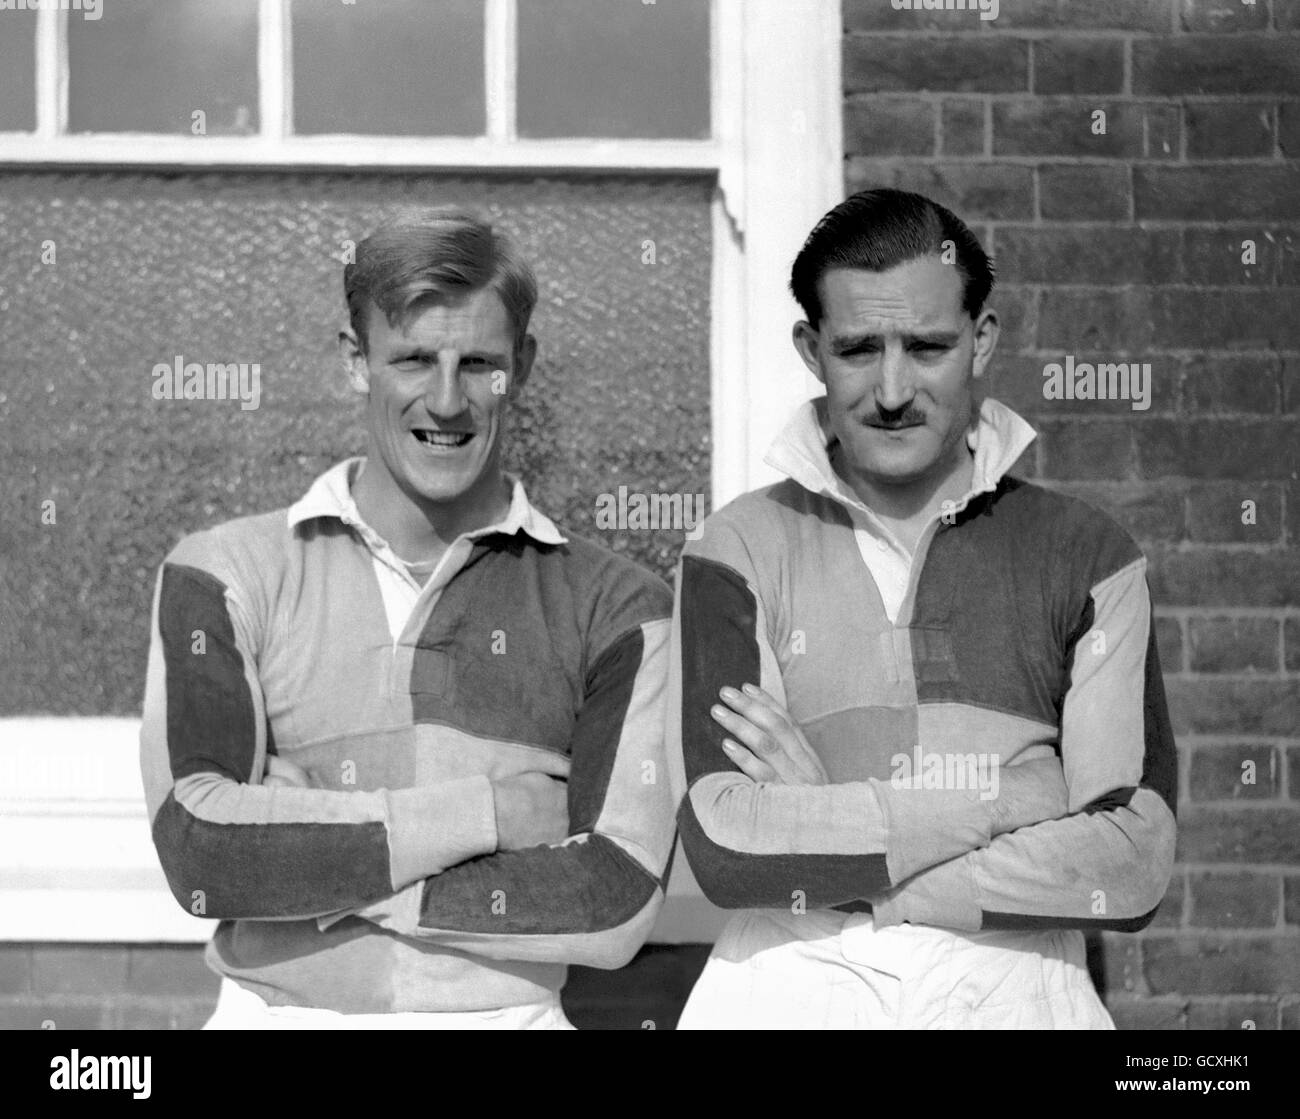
[(443, 438)]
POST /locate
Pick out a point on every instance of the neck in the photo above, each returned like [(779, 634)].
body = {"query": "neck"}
[(916, 500), (418, 529)]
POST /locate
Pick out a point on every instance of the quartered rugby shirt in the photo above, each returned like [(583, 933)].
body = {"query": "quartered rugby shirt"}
[(1020, 628), (299, 633)]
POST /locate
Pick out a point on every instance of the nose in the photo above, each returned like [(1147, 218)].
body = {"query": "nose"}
[(443, 393), (895, 388)]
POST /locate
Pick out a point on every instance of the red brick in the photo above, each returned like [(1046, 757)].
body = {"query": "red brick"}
[(1216, 577), (1120, 965), (1290, 386), (1253, 449), (949, 65), (1290, 1015), (1219, 773), (1019, 381), (1148, 1014), (1234, 900), (1227, 383), (1291, 899), (1285, 246), (1236, 319), (1215, 514), (1017, 309), (1065, 128), (1085, 192), (889, 126), (1084, 254), (962, 125), (65, 1013), (1286, 15), (1107, 321), (1169, 643), (1078, 65), (1170, 913), (1293, 769), (68, 969), (1218, 706), (15, 969), (1216, 193), (1291, 641), (1097, 15), (1094, 449), (1234, 644), (1288, 129), (1232, 1014), (974, 191), (162, 1014), (1211, 64), (160, 969), (1206, 965), (1148, 512), (1243, 834), (1223, 15), (1229, 130), (1214, 257)]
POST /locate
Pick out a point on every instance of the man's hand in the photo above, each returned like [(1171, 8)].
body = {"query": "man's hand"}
[(284, 774), (1029, 793), (532, 809), (766, 743)]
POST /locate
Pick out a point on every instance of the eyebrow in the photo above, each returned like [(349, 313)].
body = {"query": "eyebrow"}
[(843, 343), (405, 353)]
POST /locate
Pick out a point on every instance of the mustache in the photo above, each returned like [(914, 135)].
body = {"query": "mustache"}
[(907, 416)]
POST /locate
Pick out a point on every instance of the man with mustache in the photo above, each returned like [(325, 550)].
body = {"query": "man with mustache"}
[(406, 737), (921, 732)]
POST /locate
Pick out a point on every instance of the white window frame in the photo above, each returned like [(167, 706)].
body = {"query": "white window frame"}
[(76, 859)]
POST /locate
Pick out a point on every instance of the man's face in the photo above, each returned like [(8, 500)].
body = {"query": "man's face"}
[(898, 356), (438, 383)]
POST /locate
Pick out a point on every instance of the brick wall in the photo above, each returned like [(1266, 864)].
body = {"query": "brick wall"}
[(1127, 246)]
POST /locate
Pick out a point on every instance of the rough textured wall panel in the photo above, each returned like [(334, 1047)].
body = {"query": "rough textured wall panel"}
[(246, 268)]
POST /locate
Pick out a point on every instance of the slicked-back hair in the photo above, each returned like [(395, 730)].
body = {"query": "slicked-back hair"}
[(445, 251), (877, 230)]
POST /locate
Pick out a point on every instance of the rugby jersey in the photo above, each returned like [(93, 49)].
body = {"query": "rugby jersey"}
[(300, 633), (1020, 628)]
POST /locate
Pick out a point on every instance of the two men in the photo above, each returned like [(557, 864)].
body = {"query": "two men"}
[(406, 738), (913, 709), (922, 725)]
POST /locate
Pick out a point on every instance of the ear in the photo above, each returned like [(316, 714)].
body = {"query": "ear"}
[(986, 341), (353, 359), (808, 344), (525, 355)]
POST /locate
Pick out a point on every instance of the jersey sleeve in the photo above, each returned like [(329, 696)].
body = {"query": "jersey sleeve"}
[(229, 846), (757, 844), (593, 898), (1106, 864)]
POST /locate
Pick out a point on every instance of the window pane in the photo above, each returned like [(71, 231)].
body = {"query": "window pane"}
[(614, 69), (246, 268), (151, 65), (389, 67), (18, 71)]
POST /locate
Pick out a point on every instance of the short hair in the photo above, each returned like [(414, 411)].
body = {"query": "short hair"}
[(445, 251), (879, 229)]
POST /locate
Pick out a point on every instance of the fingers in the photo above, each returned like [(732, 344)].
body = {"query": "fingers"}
[(753, 768), (763, 726)]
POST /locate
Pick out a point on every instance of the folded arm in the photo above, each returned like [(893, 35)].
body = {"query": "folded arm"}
[(1107, 864), (758, 844), (593, 898), (231, 847)]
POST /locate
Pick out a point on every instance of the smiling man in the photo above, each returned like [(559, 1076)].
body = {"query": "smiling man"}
[(404, 738), (920, 728)]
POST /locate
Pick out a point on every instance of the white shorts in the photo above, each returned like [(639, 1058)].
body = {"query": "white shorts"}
[(823, 970), (240, 1009)]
